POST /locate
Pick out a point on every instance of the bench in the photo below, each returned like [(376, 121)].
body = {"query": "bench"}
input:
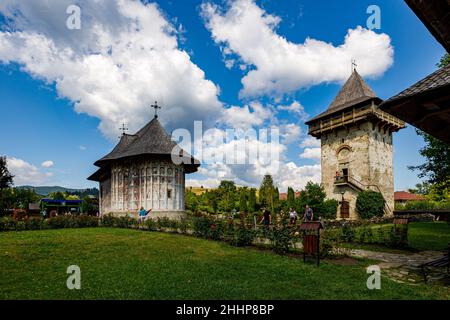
[(437, 263)]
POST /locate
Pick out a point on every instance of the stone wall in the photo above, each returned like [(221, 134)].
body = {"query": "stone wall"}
[(366, 152)]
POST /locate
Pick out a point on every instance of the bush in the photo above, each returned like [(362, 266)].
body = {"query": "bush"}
[(244, 235), (329, 240), (370, 204), (280, 235), (347, 233), (328, 209), (34, 223), (419, 205), (201, 226), (151, 225)]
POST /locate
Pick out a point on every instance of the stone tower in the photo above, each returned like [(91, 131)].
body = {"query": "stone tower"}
[(356, 146)]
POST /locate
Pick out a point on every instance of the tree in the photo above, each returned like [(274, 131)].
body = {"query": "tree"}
[(420, 188), (227, 195), (58, 195), (436, 169), (252, 200), (267, 192), (276, 199), (290, 197), (445, 61), (370, 204), (191, 201), (243, 207), (6, 178)]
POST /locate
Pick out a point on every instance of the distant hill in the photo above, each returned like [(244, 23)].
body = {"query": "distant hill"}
[(45, 190)]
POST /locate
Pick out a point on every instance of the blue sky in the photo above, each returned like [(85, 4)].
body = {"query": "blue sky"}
[(69, 113)]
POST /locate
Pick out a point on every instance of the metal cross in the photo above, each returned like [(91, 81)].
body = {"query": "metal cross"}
[(123, 129), (156, 107), (354, 65)]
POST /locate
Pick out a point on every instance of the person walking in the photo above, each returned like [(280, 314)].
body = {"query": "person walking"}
[(266, 218), (292, 216), (309, 214), (143, 214)]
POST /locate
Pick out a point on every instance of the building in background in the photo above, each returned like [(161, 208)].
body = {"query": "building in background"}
[(356, 146)]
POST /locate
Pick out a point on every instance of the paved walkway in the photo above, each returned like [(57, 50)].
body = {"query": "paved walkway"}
[(403, 267)]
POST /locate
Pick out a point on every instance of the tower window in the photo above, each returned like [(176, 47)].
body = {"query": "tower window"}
[(342, 140), (169, 193)]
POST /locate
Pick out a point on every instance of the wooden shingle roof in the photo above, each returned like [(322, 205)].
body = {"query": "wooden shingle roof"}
[(152, 139), (355, 91)]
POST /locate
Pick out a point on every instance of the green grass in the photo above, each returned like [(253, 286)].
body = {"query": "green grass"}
[(421, 236), (429, 235), (129, 264)]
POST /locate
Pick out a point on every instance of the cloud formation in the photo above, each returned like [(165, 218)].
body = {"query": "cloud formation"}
[(278, 66), (125, 57), (47, 164), (26, 173)]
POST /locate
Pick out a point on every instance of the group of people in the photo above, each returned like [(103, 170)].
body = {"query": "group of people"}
[(308, 215)]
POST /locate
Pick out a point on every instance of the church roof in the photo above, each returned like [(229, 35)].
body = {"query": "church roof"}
[(354, 92), (152, 139)]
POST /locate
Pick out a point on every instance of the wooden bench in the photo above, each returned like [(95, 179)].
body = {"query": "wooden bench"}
[(437, 263)]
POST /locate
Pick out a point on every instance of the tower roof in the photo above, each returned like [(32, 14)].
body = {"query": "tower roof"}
[(353, 92), (152, 139)]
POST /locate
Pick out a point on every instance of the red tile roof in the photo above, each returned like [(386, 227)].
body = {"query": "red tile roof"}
[(406, 196)]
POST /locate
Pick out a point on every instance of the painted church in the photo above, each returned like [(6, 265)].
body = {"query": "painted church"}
[(139, 172)]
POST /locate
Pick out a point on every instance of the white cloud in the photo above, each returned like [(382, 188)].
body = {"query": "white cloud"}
[(296, 108), (253, 114), (280, 66), (47, 164), (82, 148), (250, 174), (125, 57), (310, 153), (310, 141), (290, 133), (26, 173)]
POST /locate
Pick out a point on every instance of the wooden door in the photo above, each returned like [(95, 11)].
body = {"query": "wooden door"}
[(345, 209)]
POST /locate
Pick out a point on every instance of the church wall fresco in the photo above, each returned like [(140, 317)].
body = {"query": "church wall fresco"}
[(152, 184)]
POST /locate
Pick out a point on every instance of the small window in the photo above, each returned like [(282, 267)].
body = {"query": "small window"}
[(169, 193), (155, 170), (342, 140), (162, 170)]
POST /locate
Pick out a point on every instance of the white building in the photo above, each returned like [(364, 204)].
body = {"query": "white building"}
[(139, 172)]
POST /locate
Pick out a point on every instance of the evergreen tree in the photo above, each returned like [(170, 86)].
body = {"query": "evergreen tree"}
[(6, 178), (243, 207), (291, 197), (252, 200), (267, 192)]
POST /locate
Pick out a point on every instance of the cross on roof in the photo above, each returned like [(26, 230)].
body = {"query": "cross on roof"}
[(123, 128), (156, 107), (354, 65)]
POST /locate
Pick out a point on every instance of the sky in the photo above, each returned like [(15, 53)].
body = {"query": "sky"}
[(272, 64)]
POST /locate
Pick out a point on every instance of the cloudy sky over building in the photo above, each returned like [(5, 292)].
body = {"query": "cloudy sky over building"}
[(230, 64)]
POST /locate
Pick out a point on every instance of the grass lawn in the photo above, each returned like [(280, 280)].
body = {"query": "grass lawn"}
[(421, 236), (429, 235), (129, 264)]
